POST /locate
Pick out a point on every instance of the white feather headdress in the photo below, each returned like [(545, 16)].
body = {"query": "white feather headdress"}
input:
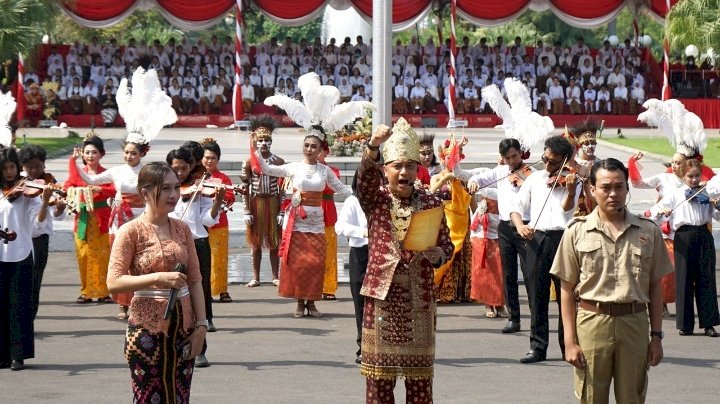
[(7, 107), (146, 109), (519, 120), (684, 129), (319, 113)]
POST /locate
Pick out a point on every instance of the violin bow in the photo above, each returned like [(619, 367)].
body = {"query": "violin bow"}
[(192, 198), (557, 177), (702, 188), (509, 174)]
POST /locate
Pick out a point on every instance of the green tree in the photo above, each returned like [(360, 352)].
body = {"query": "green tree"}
[(141, 25), (23, 24), (694, 22)]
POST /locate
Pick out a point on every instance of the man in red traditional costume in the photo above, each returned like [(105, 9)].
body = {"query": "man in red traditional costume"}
[(399, 318)]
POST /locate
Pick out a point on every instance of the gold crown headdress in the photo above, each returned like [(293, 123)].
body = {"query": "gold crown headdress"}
[(50, 85), (262, 127), (403, 144)]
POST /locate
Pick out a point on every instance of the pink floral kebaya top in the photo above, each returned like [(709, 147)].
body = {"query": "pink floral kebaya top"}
[(137, 250)]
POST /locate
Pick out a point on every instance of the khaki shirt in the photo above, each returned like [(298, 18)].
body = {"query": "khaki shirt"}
[(607, 270)]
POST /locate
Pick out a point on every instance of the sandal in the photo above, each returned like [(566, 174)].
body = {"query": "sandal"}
[(276, 282), (502, 312), (312, 310), (123, 313), (106, 299), (225, 297), (328, 296), (490, 312), (252, 284), (83, 300)]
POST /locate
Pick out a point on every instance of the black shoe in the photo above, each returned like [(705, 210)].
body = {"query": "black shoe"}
[(17, 365), (358, 360), (710, 332), (201, 361), (685, 333), (211, 326), (511, 327), (535, 355)]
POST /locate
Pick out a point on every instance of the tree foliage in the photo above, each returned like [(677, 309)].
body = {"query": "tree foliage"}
[(23, 24), (694, 22)]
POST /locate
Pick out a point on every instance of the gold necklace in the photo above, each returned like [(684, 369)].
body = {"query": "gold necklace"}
[(400, 216)]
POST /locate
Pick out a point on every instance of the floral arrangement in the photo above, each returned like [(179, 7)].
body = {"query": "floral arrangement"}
[(350, 142)]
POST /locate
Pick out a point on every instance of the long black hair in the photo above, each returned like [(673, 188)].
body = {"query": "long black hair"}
[(9, 155)]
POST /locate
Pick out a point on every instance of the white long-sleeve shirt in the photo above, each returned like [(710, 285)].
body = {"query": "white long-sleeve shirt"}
[(506, 191), (352, 223), (685, 213), (197, 216), (19, 216), (532, 196)]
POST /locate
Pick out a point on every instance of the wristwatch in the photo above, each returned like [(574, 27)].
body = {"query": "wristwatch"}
[(202, 323), (658, 334)]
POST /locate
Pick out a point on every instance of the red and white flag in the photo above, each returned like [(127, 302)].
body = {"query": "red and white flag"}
[(20, 93), (237, 106)]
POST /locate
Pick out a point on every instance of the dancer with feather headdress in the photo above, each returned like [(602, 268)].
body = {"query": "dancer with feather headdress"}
[(319, 114), (689, 143), (523, 130), (146, 110)]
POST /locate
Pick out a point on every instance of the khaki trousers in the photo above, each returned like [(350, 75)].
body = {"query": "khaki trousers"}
[(615, 349)]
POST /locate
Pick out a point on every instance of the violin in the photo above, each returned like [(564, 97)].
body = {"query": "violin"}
[(560, 177), (7, 235), (517, 176), (208, 188)]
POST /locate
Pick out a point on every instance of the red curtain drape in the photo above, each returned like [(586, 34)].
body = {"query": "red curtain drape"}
[(196, 10), (660, 8), (491, 10), (98, 10), (403, 10), (587, 9), (289, 10)]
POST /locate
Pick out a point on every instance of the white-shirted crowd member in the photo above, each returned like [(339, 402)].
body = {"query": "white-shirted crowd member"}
[(89, 97), (401, 103), (360, 95), (346, 90), (204, 94), (417, 94), (589, 96), (557, 96), (597, 80), (188, 98), (572, 97), (248, 94), (540, 101), (615, 78), (550, 210), (637, 97), (471, 98), (602, 102), (620, 98)]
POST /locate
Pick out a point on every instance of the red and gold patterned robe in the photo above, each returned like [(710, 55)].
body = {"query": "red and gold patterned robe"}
[(398, 326)]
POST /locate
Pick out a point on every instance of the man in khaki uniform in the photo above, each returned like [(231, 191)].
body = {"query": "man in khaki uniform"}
[(610, 264)]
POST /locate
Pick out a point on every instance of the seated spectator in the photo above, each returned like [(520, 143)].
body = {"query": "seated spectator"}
[(447, 99), (557, 96), (367, 83), (356, 79), (188, 98), (247, 90), (402, 97), (597, 79), (471, 97), (620, 98), (175, 93), (586, 70), (572, 97), (290, 89), (607, 68), (605, 53), (417, 95), (51, 109), (204, 94), (589, 96), (637, 77), (360, 95), (637, 97), (75, 96), (541, 102), (346, 90), (615, 78), (34, 104), (108, 107), (90, 98), (602, 102), (268, 81)]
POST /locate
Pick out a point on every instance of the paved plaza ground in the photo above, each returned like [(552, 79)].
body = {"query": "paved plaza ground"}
[(262, 355)]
